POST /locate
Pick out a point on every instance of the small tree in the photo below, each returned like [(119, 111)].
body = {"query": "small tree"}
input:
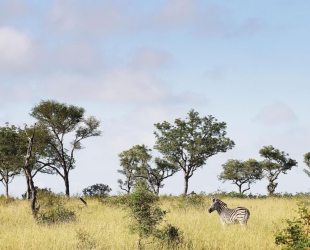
[(97, 190), (136, 163), (39, 147), (297, 234), (144, 213), (11, 156), (129, 161), (156, 175), (307, 162), (189, 143), (275, 162), (241, 172), (62, 121)]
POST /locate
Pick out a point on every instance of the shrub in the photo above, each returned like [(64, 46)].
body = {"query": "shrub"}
[(170, 236), (6, 200), (296, 235), (53, 209), (144, 213)]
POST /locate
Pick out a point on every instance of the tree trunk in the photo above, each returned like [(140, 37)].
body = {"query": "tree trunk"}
[(67, 185), (28, 190), (271, 188), (6, 183), (157, 189), (246, 188), (7, 190), (33, 198), (239, 186), (185, 184)]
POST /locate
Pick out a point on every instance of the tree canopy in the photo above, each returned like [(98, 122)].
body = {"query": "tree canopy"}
[(241, 172), (11, 154), (189, 143), (307, 162), (62, 120), (137, 165), (275, 163)]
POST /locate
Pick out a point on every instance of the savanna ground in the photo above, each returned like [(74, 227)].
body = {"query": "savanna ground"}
[(104, 225)]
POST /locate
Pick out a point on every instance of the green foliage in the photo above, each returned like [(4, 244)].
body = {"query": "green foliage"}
[(145, 214), (97, 191), (61, 119), (191, 201), (296, 235), (275, 162), (11, 154), (6, 200), (307, 162), (189, 143), (136, 166), (241, 172), (85, 240), (169, 236), (53, 209)]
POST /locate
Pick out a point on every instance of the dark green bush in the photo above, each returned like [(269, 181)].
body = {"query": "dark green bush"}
[(296, 235), (169, 236)]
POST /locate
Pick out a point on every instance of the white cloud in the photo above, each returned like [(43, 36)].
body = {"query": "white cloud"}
[(74, 56), (16, 49), (11, 9), (176, 12), (132, 86), (118, 86), (98, 18), (150, 59), (276, 113)]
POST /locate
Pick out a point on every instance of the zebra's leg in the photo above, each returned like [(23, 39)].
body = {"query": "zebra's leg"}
[(243, 224), (223, 223)]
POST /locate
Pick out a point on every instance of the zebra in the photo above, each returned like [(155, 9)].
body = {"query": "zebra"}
[(228, 215)]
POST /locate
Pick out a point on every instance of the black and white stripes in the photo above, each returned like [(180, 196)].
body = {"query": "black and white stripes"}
[(227, 215)]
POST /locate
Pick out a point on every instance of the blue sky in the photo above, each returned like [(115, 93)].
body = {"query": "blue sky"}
[(135, 63)]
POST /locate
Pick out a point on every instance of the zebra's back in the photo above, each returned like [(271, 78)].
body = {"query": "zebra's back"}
[(236, 215)]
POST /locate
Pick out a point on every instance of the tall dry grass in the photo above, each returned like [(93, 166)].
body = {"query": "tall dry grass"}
[(103, 226)]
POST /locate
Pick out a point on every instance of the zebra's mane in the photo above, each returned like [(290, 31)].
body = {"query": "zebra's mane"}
[(223, 204)]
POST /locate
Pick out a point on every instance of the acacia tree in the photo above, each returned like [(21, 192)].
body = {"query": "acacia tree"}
[(129, 161), (136, 163), (275, 163), (307, 162), (156, 175), (10, 155), (189, 143), (38, 150), (64, 121), (241, 172)]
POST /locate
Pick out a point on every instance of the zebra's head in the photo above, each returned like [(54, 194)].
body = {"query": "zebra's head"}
[(216, 205)]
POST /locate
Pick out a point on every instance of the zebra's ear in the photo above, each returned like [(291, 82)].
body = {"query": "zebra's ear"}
[(212, 199)]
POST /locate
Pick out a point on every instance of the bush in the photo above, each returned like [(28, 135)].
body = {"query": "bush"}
[(170, 236), (144, 213), (296, 235), (6, 200), (196, 201), (97, 191), (53, 209)]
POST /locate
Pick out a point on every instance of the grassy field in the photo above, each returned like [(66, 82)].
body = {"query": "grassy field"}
[(103, 226)]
